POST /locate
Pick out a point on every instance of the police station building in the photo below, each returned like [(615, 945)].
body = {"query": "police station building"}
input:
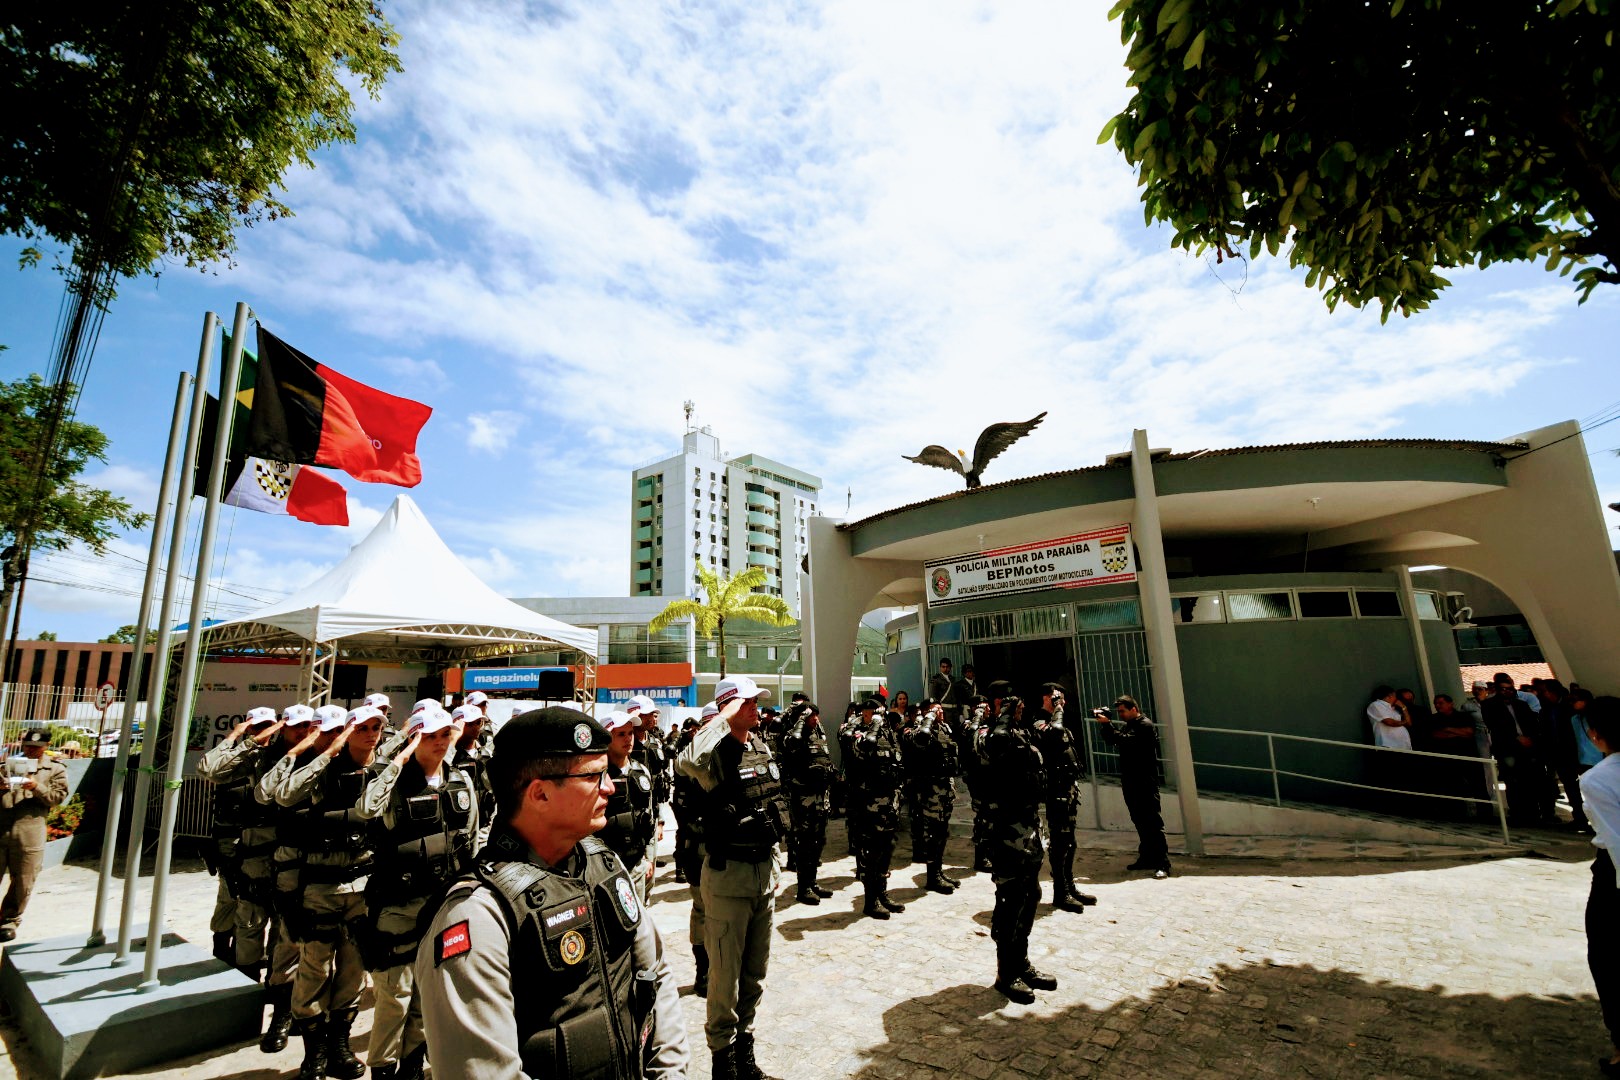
[(1250, 598)]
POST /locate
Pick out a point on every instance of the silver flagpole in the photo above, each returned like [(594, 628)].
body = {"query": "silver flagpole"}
[(160, 652), (183, 694), (126, 732)]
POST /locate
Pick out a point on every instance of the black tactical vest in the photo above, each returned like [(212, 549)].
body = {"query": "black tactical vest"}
[(747, 818), (630, 826), (329, 826), (235, 808), (809, 762), (430, 840), (582, 1009), (1060, 750)]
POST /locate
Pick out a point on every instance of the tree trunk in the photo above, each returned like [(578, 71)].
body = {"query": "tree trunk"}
[(722, 627)]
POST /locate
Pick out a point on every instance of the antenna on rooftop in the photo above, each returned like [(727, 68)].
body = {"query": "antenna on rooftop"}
[(688, 406)]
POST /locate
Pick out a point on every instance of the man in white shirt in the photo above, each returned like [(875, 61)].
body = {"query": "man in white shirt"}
[(1391, 724)]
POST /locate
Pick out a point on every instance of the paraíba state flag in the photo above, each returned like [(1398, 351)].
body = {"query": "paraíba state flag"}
[(304, 413), (275, 487)]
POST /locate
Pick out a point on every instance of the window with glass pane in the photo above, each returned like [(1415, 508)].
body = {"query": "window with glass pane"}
[(1378, 603), (943, 633), (1427, 606), (995, 625), (1107, 615), (1198, 608), (1044, 622), (1325, 605), (1249, 606)]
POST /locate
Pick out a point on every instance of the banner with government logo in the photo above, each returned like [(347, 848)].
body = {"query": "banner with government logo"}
[(1100, 557)]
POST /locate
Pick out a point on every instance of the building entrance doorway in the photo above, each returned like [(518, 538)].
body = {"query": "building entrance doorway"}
[(1026, 665)]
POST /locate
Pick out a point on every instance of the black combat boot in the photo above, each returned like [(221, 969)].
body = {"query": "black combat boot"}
[(807, 895), (1062, 900), (723, 1065), (410, 1066), (874, 906), (225, 948), (313, 1031), (1015, 989), (340, 1059), (937, 882), (275, 1036), (883, 898), (742, 1059), (1036, 979), (700, 985), (818, 890), (385, 1072), (981, 861)]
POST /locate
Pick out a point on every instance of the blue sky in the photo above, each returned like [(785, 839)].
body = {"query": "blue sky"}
[(844, 230)]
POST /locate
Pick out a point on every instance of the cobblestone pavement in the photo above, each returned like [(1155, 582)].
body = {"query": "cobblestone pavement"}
[(1330, 961)]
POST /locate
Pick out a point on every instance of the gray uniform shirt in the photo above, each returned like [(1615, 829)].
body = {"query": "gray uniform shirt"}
[(467, 1004)]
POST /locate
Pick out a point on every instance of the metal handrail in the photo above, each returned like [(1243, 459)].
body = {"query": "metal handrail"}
[(1489, 763)]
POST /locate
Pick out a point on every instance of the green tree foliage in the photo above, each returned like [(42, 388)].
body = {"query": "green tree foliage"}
[(45, 635), (69, 511), (1381, 142), (125, 635), (137, 132), (725, 598)]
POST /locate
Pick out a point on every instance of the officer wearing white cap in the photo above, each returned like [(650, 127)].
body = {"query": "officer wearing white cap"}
[(746, 817), (542, 962), (629, 829), (332, 858), (471, 753), (240, 916), (427, 811), (30, 785), (652, 750)]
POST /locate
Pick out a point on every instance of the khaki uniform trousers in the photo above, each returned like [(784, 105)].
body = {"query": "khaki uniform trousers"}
[(739, 905), (396, 1017), (22, 853), (330, 974), (245, 920)]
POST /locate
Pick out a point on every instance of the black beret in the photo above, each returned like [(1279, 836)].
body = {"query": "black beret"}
[(36, 737), (554, 730), (1052, 688), (800, 695), (872, 703), (999, 689)]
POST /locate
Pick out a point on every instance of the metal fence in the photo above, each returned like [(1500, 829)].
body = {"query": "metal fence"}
[(1300, 768), (77, 723)]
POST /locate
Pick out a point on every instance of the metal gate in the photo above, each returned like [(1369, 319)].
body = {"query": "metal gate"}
[(1112, 664)]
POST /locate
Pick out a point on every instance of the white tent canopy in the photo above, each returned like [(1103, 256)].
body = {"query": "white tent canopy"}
[(399, 592)]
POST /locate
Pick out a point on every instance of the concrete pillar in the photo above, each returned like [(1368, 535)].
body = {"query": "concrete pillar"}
[(1403, 578), (1153, 585)]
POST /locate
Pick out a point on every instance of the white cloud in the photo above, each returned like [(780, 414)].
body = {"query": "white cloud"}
[(489, 432), (845, 230)]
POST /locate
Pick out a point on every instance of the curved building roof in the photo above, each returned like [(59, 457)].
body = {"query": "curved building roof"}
[(1240, 491)]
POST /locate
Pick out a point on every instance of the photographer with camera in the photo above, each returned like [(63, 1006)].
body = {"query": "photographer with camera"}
[(1133, 735)]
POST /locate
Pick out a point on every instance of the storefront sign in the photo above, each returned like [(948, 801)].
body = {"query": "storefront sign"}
[(664, 696), (1071, 562), (503, 678)]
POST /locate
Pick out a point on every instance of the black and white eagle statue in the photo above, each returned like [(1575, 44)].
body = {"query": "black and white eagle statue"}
[(992, 441)]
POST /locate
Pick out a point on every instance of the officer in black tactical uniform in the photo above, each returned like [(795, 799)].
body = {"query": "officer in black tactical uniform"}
[(542, 962), (982, 714), (629, 830), (424, 815), (931, 758), (874, 804), (1012, 795), (1132, 734), (808, 770), (1061, 751)]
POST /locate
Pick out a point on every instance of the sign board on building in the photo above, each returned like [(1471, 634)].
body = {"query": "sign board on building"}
[(503, 678), (665, 696), (1101, 557)]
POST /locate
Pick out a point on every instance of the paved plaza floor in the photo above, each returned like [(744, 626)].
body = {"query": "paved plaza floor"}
[(1275, 958)]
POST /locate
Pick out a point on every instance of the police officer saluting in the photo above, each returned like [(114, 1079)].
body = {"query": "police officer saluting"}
[(629, 828), (1060, 751), (542, 963), (874, 804), (745, 818), (1012, 791), (425, 816), (808, 769)]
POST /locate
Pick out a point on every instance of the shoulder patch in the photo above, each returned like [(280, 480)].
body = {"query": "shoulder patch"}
[(454, 941)]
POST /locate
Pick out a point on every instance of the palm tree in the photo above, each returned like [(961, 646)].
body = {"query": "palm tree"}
[(726, 598)]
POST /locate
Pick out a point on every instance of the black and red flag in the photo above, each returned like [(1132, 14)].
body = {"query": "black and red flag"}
[(304, 413)]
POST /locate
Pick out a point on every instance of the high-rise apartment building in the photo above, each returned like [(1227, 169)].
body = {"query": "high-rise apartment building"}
[(729, 513)]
